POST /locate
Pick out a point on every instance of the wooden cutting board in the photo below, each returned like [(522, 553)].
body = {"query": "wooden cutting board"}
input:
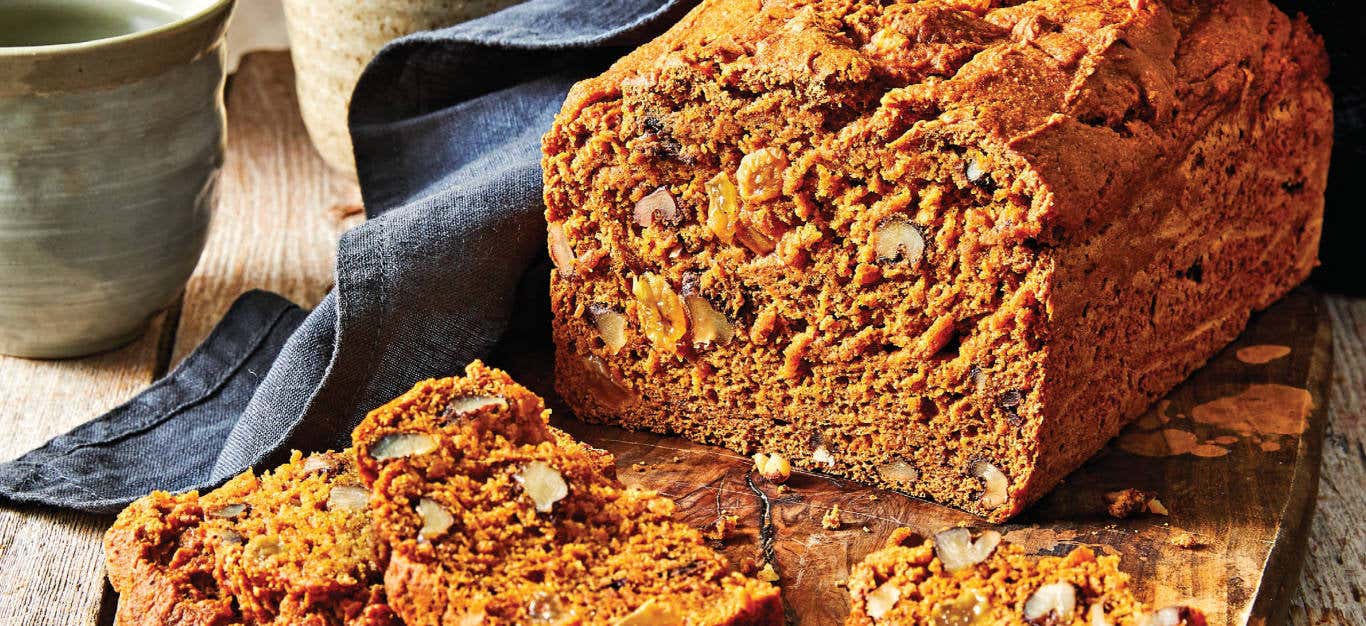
[(1233, 454)]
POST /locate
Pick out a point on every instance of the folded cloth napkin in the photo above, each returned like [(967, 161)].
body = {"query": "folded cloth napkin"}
[(447, 127)]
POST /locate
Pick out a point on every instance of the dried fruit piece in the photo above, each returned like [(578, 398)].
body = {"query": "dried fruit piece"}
[(468, 405), (761, 174), (229, 511), (995, 485), (754, 239), (560, 252), (652, 613), (543, 484), (897, 240), (436, 520), (723, 208), (663, 318), (708, 325), (603, 386), (611, 326), (899, 473), (348, 498), (1054, 603), (400, 445), (881, 600), (957, 550), (775, 468), (658, 208), (965, 610)]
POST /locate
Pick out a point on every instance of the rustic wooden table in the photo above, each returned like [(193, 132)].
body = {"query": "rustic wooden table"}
[(282, 211)]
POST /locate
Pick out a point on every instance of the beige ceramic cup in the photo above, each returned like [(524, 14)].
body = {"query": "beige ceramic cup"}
[(333, 40), (109, 158)]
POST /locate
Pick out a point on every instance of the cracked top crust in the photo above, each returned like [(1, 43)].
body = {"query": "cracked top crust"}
[(1080, 99)]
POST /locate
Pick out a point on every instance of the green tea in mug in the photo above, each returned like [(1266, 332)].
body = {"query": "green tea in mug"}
[(52, 22)]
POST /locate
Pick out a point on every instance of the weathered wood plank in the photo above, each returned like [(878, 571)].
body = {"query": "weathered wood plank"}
[(52, 562), (281, 212), (1333, 584)]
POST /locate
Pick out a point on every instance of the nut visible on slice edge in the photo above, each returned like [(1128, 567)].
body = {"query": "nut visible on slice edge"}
[(881, 600), (899, 473), (400, 445), (348, 498), (611, 326), (663, 318), (652, 613), (1054, 603), (229, 511), (543, 484), (775, 468), (995, 485), (560, 252), (436, 520), (956, 549), (708, 325), (467, 405), (896, 239), (658, 208), (1174, 616)]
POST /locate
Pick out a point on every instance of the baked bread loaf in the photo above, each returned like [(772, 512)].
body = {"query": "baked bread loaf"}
[(492, 518), (958, 579), (948, 247), (292, 546)]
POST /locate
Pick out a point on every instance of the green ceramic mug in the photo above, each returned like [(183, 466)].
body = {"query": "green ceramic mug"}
[(111, 139)]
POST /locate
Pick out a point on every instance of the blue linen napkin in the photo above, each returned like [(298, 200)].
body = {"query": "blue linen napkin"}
[(447, 127)]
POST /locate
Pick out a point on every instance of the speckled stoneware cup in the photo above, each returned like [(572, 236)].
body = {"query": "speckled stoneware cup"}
[(333, 40), (109, 158)]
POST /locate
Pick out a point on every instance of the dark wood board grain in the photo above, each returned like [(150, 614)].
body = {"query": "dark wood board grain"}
[(1233, 453)]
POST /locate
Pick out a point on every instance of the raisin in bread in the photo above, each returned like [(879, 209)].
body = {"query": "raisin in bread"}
[(948, 247)]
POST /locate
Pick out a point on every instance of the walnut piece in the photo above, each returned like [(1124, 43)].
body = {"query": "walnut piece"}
[(1054, 603), (544, 607), (543, 484), (348, 498), (229, 511), (899, 473), (1096, 616), (761, 174), (658, 208), (611, 326), (995, 485), (663, 318), (436, 520), (957, 550), (708, 325), (822, 455), (319, 463), (881, 600), (560, 252), (469, 405), (1175, 616), (775, 468), (897, 240), (400, 445)]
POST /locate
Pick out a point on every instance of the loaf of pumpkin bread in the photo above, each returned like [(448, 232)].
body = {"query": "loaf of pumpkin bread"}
[(948, 247)]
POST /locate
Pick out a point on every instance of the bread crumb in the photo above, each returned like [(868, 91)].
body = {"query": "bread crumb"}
[(1183, 539), (767, 574), (872, 497), (725, 525), (1125, 502), (782, 489), (1156, 508), (867, 529), (832, 520), (775, 468), (638, 466)]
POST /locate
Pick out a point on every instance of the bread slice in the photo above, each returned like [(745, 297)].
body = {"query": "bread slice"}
[(956, 578), (948, 247), (492, 517), (292, 546)]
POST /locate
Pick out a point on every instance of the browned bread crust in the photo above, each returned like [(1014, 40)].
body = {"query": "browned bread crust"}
[(945, 246)]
